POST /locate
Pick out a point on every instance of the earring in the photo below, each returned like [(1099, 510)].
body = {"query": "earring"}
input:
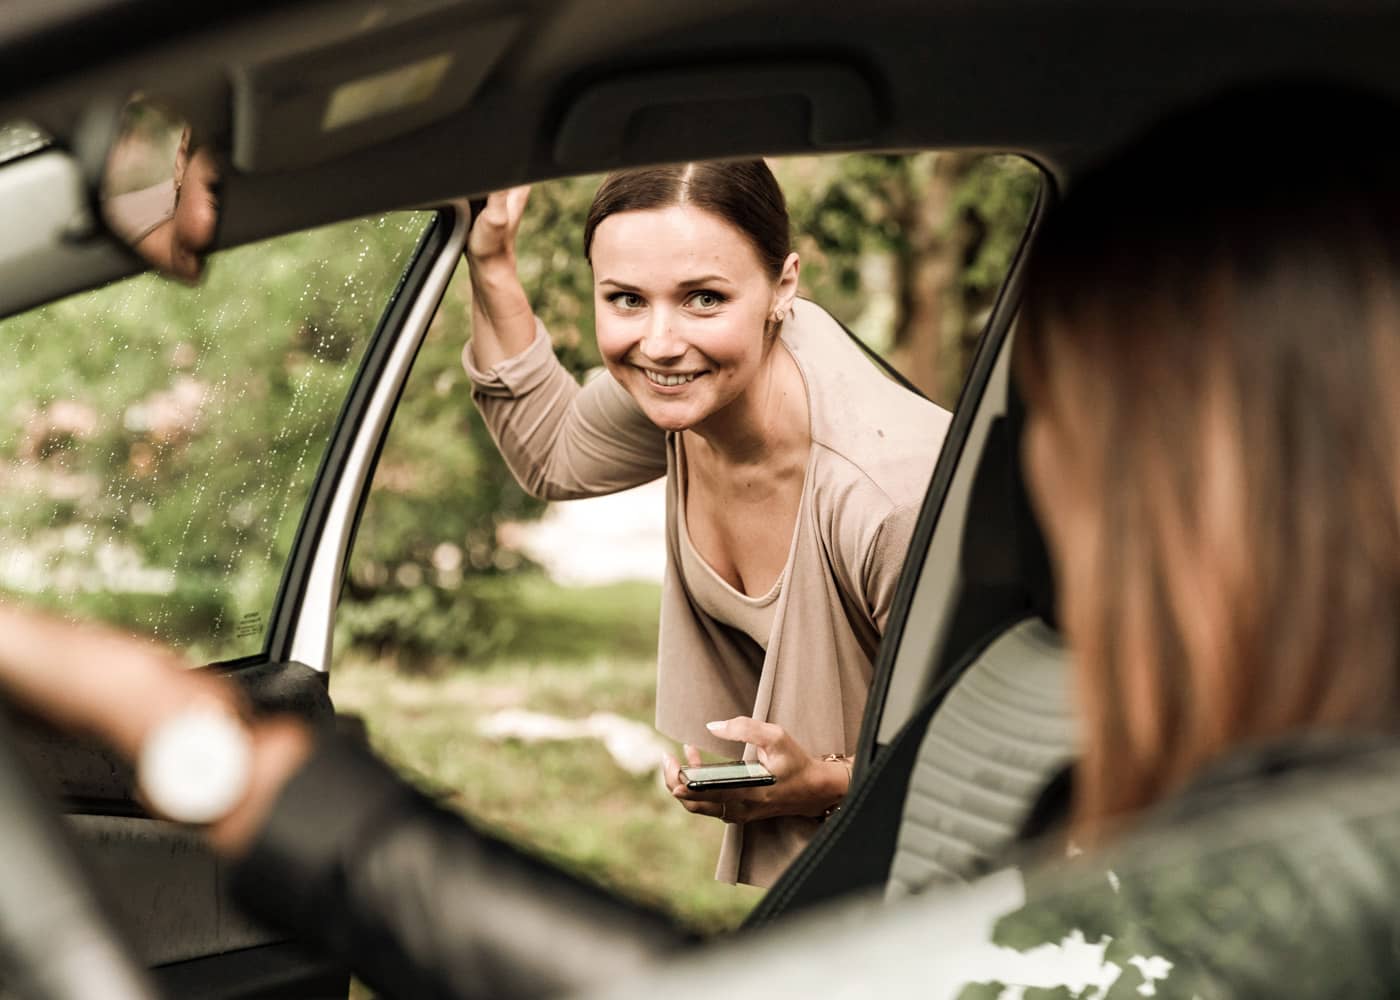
[(778, 316)]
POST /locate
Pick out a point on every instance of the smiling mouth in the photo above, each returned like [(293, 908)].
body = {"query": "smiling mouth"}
[(660, 378)]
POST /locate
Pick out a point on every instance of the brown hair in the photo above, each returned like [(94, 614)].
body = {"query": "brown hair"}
[(743, 193), (1211, 329)]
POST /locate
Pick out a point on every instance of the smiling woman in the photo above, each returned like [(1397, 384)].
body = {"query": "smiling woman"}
[(789, 506)]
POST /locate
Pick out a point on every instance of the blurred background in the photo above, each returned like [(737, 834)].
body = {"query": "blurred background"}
[(160, 441)]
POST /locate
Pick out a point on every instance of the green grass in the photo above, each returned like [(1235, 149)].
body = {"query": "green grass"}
[(580, 623), (567, 801)]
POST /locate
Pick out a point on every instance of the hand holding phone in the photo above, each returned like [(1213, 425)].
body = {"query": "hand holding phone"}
[(730, 774)]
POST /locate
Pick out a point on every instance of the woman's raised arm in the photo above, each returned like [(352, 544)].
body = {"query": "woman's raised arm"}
[(560, 441), (503, 324)]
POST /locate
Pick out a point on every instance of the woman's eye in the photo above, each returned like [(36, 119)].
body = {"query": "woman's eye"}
[(626, 300), (707, 300)]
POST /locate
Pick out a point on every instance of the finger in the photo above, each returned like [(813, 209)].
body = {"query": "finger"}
[(670, 772), (515, 201), (692, 755), (730, 795), (702, 808), (743, 729), (497, 210)]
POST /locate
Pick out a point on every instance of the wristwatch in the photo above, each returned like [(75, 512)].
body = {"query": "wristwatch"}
[(195, 766)]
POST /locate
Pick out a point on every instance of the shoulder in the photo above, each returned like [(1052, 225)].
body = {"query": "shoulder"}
[(865, 521), (1252, 844), (880, 435)]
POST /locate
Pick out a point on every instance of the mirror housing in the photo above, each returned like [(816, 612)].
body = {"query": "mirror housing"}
[(157, 188)]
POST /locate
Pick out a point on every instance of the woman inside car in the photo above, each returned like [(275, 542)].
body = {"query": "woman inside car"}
[(1209, 351), (794, 471)]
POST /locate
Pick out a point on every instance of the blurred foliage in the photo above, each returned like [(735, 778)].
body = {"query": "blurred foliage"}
[(501, 615), (910, 250), (161, 440)]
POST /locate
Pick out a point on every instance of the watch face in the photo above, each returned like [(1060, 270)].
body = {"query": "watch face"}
[(194, 767)]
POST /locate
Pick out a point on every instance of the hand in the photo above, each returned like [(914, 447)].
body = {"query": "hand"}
[(492, 236), (805, 785), (503, 324), (196, 211), (95, 680)]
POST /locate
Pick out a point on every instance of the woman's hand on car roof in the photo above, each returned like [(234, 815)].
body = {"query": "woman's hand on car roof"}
[(503, 324), (493, 231)]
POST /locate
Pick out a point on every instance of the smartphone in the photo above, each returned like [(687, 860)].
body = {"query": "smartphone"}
[(730, 774)]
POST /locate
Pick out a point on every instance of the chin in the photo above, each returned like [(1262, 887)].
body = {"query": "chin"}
[(671, 418)]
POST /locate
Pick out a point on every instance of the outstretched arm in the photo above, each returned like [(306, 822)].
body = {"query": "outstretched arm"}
[(332, 846)]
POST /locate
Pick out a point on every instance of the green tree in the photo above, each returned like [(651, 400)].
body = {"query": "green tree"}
[(944, 225)]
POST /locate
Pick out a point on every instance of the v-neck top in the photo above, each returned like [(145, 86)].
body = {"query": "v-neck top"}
[(874, 444), (753, 616)]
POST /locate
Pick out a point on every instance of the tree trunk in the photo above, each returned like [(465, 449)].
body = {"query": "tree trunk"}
[(928, 339)]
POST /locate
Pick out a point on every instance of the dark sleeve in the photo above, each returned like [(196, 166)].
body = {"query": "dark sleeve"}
[(418, 903)]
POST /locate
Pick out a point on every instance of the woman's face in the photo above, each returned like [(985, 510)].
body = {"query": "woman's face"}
[(682, 303)]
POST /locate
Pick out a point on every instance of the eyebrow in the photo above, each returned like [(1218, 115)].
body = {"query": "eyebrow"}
[(705, 279)]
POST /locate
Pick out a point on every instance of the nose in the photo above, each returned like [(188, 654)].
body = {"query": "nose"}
[(660, 345)]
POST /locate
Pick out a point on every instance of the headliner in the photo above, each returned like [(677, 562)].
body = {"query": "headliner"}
[(1060, 80)]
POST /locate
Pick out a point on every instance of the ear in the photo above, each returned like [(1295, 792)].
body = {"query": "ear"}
[(786, 289), (182, 158)]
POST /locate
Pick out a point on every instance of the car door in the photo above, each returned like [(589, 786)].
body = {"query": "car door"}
[(190, 463)]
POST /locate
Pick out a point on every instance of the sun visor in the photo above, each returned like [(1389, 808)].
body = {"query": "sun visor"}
[(304, 107), (746, 109)]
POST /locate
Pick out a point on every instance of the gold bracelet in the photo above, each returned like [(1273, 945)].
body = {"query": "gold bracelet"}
[(850, 770)]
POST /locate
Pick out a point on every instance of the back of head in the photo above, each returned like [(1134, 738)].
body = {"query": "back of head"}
[(1212, 325)]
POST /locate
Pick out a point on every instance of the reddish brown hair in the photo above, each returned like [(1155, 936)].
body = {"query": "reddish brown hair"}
[(743, 193), (1211, 329)]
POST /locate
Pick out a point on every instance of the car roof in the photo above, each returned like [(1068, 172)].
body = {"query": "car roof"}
[(545, 88)]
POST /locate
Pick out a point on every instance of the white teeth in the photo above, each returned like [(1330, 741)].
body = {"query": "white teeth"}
[(660, 379)]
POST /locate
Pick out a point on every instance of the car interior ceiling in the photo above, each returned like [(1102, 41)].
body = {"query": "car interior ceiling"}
[(550, 89)]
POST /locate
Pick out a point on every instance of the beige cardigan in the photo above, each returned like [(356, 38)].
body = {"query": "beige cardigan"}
[(873, 448)]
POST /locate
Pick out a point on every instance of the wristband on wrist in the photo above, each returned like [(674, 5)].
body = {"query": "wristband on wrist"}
[(849, 762)]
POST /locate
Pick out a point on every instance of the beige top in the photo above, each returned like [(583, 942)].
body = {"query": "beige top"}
[(873, 448), (133, 215), (713, 594)]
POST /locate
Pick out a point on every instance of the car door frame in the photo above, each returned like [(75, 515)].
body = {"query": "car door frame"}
[(301, 624)]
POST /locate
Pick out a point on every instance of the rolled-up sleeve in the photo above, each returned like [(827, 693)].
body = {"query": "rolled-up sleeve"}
[(562, 440)]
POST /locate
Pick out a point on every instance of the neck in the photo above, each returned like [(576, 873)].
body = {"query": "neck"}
[(767, 418)]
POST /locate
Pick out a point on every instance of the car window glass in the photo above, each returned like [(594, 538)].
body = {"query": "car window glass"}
[(503, 650), (160, 441)]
